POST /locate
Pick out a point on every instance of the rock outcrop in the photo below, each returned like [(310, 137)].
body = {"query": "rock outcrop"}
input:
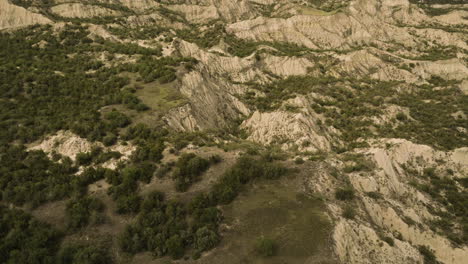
[(12, 16), (68, 144), (78, 10)]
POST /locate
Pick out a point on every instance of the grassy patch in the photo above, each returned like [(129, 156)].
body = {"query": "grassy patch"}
[(161, 97), (295, 223), (304, 10)]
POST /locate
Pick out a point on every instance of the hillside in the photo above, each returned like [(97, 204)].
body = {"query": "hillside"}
[(220, 131)]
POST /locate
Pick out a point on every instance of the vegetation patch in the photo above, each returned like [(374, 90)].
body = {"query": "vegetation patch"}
[(172, 227), (25, 240), (442, 188), (188, 169), (293, 225), (83, 211), (161, 97), (345, 194)]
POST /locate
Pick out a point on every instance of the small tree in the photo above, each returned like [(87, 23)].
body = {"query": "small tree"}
[(175, 247), (206, 239), (344, 194), (266, 247)]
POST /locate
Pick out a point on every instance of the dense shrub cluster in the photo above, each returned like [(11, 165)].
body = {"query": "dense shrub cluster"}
[(344, 194), (25, 240), (125, 185), (433, 111), (352, 103), (188, 169), (163, 229), (428, 255), (446, 191), (150, 142), (266, 247), (44, 88), (172, 227), (358, 163), (84, 254), (145, 32), (32, 177), (28, 241), (245, 170), (82, 211), (124, 181), (95, 156)]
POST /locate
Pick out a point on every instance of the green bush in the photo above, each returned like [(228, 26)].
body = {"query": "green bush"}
[(401, 117), (214, 159), (428, 254), (374, 195), (246, 169), (26, 240), (344, 194), (31, 177), (206, 239), (188, 169), (359, 163), (109, 140), (298, 160), (84, 254), (349, 212), (266, 247), (175, 247), (80, 210), (389, 241), (84, 159), (117, 119), (128, 204), (172, 227)]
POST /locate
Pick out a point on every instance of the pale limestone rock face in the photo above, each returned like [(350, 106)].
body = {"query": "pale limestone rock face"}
[(78, 10), (152, 19), (232, 10), (139, 4), (447, 69), (360, 244), (296, 129), (206, 98), (404, 200), (387, 218), (68, 144), (215, 70), (182, 119), (65, 143), (464, 86), (364, 63), (419, 156), (197, 14), (355, 25), (460, 156), (287, 66), (209, 87), (12, 16), (227, 10), (245, 69), (238, 69), (357, 241), (454, 18)]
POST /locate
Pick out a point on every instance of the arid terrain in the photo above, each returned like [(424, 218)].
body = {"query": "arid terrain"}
[(234, 131)]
